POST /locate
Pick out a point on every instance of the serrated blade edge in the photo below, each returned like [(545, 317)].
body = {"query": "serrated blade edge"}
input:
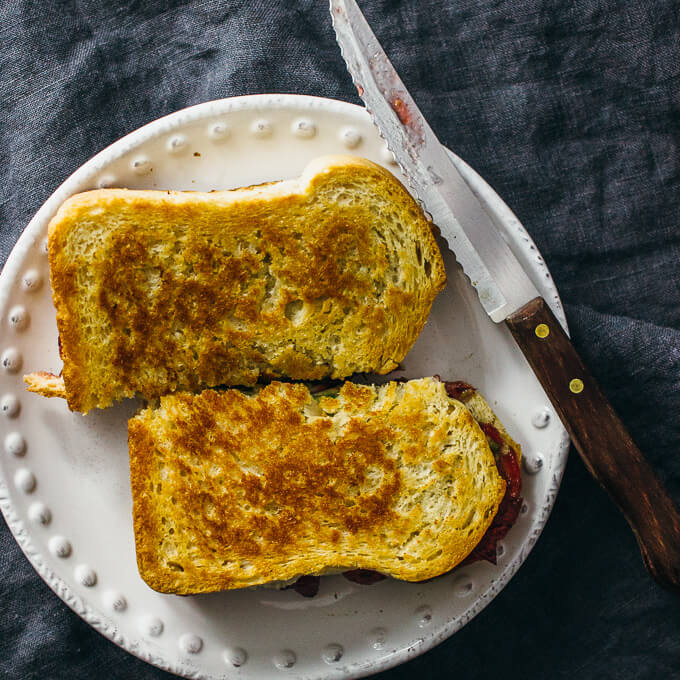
[(501, 282)]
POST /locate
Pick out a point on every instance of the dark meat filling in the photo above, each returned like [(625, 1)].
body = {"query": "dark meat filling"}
[(508, 510)]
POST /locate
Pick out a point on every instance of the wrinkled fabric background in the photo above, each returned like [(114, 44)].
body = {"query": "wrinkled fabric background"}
[(571, 110)]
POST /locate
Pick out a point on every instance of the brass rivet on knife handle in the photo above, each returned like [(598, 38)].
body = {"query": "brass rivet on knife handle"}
[(542, 331), (602, 441), (576, 385)]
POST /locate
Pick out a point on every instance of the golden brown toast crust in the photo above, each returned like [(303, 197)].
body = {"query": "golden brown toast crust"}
[(157, 291), (231, 490)]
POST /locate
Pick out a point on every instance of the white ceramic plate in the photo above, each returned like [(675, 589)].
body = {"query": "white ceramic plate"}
[(64, 486)]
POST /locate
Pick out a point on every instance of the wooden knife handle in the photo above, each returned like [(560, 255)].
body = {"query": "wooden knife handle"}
[(599, 436)]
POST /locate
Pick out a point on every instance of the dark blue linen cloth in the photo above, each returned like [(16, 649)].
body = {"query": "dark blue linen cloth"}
[(571, 111)]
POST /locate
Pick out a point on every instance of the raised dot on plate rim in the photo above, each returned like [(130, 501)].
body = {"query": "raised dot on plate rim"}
[(25, 480), (304, 128), (388, 156), (378, 638), (533, 464), (15, 444), (541, 418), (10, 405), (12, 360), (285, 659), (350, 137), (191, 643), (261, 128), (115, 601), (141, 165), (219, 131), (18, 317), (177, 143), (424, 616), (463, 585), (332, 653), (31, 280), (106, 181), (151, 625), (59, 546), (86, 575), (236, 656), (39, 513)]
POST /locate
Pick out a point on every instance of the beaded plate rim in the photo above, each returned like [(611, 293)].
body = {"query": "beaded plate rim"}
[(32, 233)]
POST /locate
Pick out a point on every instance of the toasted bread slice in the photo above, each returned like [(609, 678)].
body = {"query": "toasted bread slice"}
[(157, 291), (233, 490)]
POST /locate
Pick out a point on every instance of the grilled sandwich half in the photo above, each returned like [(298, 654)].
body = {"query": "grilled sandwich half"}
[(157, 291), (234, 489)]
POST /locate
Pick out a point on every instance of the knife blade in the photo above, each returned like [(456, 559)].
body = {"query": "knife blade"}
[(507, 294), (501, 282)]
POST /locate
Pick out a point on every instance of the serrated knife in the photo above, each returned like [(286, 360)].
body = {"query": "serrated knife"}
[(508, 295)]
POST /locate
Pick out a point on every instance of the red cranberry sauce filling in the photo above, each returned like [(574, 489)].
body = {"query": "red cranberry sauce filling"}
[(508, 510)]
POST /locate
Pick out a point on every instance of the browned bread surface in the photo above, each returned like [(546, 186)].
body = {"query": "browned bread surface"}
[(157, 291), (233, 490)]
